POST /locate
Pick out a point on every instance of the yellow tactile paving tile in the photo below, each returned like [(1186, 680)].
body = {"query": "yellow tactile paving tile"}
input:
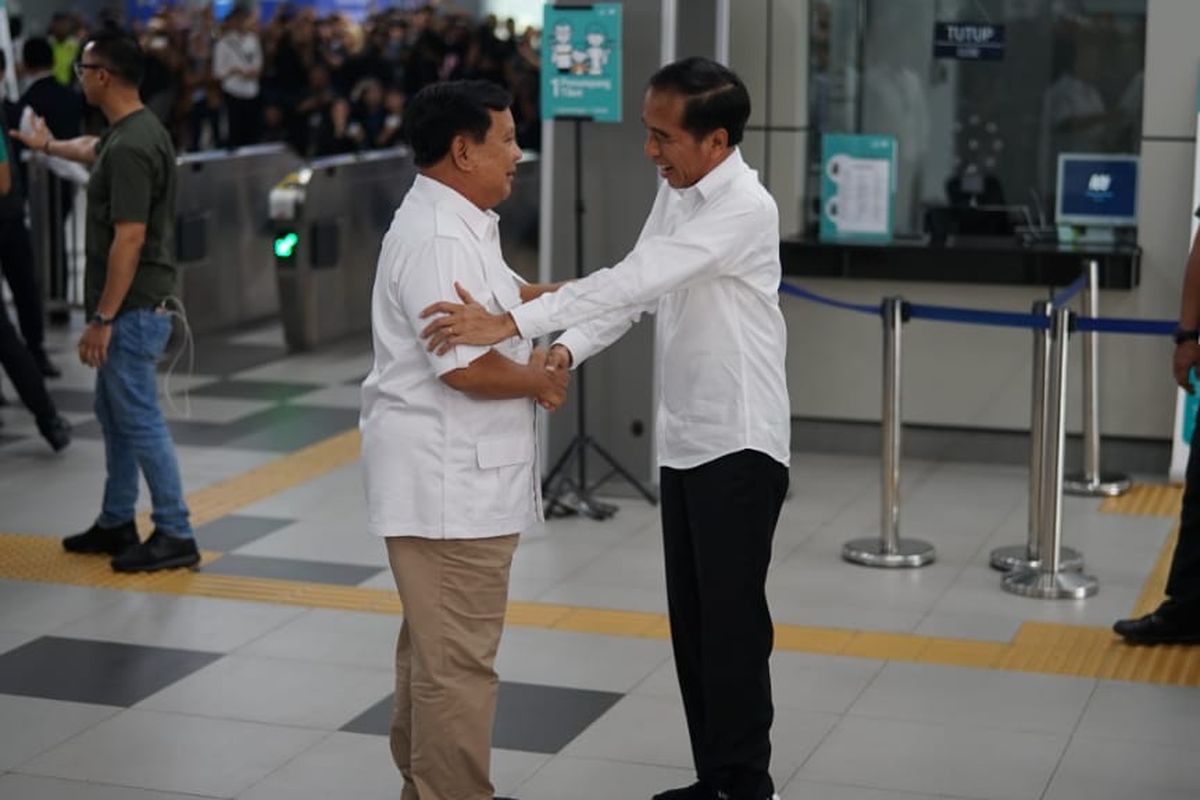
[(1037, 647), (1146, 499)]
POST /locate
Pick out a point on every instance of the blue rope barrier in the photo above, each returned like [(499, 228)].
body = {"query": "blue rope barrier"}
[(966, 316), (1000, 319), (1067, 293), (1147, 327), (861, 308)]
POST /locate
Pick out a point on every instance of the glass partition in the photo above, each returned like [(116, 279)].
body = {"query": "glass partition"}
[(974, 131)]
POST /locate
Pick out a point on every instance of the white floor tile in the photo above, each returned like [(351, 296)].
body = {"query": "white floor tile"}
[(1143, 713), (276, 691), (192, 623), (977, 697), (955, 760), (593, 779), (29, 726), (582, 661), (801, 789), (40, 608), (334, 637), (1107, 769), (175, 753), (14, 786)]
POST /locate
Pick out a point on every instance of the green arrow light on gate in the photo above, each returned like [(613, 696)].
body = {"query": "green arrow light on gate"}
[(285, 245)]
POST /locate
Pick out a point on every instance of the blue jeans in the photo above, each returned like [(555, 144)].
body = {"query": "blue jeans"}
[(135, 432)]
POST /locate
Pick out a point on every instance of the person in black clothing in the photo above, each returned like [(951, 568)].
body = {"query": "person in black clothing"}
[(62, 108), (16, 254), (16, 359), (1177, 619)]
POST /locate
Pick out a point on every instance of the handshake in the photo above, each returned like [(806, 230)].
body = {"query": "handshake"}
[(551, 372)]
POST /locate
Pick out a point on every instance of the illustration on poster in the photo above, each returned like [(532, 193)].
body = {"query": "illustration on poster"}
[(563, 50)]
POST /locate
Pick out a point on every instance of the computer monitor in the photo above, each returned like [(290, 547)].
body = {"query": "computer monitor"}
[(1097, 190)]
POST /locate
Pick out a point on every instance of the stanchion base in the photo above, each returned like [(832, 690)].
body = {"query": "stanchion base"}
[(1017, 556), (1106, 485), (871, 553), (1050, 585)]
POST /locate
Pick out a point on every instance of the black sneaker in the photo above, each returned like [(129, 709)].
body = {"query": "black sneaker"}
[(160, 551), (95, 539), (56, 431), (697, 791), (1167, 625)]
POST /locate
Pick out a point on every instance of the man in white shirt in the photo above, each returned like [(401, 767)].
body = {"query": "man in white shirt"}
[(449, 450), (707, 263), (237, 66)]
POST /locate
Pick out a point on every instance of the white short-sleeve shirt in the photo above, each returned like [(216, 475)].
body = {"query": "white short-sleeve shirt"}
[(438, 463)]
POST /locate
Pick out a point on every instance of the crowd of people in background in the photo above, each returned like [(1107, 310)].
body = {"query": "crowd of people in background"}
[(321, 84)]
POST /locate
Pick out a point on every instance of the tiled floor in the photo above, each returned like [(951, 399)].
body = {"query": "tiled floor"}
[(108, 694)]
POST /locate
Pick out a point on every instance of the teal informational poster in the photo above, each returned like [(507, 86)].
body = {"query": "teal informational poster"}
[(858, 187), (1186, 404), (581, 62)]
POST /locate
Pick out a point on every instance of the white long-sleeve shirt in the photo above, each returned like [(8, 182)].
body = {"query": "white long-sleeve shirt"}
[(237, 50), (707, 262)]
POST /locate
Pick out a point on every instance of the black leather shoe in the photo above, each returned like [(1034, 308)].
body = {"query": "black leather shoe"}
[(697, 791), (56, 431), (1158, 627), (95, 539), (160, 551)]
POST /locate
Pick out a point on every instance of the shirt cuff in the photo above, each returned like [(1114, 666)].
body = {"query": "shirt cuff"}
[(577, 343), (532, 319)]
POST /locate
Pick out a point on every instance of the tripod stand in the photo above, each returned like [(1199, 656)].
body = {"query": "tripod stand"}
[(563, 494)]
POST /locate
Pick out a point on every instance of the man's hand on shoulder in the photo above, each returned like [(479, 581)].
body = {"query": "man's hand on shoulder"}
[(466, 323)]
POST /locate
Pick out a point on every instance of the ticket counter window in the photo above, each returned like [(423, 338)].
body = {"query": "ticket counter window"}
[(980, 125)]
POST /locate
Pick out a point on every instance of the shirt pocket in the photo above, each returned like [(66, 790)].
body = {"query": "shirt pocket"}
[(502, 480)]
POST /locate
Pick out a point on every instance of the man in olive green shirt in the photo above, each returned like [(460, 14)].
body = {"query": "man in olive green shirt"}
[(129, 278)]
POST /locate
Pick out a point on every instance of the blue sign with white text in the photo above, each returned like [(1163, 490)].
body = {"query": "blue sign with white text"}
[(858, 185), (966, 41), (581, 62)]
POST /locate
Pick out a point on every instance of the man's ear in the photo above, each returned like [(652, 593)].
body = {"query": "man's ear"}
[(719, 138), (460, 152)]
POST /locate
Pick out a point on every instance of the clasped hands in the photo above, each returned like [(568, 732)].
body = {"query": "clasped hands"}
[(471, 323)]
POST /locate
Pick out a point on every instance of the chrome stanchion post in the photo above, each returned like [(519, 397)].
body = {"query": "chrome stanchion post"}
[(1026, 555), (889, 550), (1092, 482), (1047, 579)]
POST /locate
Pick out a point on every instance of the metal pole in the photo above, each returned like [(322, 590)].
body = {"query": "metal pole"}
[(1047, 580), (889, 550), (1092, 482), (1026, 555)]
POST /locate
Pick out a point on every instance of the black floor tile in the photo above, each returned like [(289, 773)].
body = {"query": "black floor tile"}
[(231, 532), (104, 673), (279, 429), (529, 717), (218, 357), (290, 428), (274, 391), (291, 569)]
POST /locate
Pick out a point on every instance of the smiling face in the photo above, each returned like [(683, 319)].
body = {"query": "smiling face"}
[(492, 163), (682, 159)]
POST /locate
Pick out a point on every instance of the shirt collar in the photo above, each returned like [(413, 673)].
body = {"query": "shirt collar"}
[(719, 176), (479, 221)]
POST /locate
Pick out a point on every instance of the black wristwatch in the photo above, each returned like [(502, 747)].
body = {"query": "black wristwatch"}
[(1182, 335), (99, 319)]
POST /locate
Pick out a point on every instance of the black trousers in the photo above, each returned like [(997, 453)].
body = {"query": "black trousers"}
[(718, 523), (245, 120), (16, 262), (23, 371), (1183, 582)]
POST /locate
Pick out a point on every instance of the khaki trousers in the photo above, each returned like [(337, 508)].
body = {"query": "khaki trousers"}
[(455, 592)]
